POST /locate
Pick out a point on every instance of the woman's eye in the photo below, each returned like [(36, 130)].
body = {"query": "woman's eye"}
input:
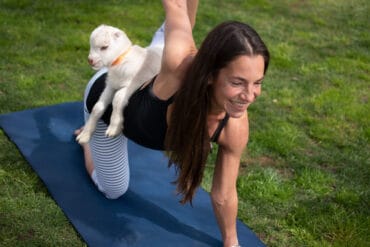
[(234, 83), (258, 83), (103, 48)]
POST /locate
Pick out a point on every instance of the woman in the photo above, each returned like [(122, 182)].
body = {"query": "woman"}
[(198, 97)]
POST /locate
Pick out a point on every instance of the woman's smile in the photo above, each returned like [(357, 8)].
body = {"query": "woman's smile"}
[(239, 104)]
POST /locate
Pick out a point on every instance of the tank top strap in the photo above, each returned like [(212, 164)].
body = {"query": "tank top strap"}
[(220, 126)]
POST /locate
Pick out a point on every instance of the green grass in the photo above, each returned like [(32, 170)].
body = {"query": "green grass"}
[(304, 179)]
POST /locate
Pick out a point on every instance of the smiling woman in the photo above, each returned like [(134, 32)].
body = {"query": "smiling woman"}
[(195, 95)]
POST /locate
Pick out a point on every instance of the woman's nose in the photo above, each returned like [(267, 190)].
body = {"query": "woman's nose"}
[(248, 95)]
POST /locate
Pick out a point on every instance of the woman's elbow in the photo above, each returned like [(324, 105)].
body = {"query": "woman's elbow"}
[(218, 199), (222, 198)]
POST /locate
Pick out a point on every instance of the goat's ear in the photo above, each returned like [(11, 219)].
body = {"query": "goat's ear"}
[(117, 34)]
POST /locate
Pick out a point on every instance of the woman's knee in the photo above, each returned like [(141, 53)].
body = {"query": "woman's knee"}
[(111, 191), (116, 192)]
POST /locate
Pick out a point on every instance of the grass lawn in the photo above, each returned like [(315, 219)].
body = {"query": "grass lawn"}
[(304, 179)]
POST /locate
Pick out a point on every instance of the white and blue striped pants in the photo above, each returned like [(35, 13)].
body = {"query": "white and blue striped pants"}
[(111, 172)]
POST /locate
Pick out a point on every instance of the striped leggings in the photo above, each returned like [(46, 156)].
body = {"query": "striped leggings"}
[(111, 172)]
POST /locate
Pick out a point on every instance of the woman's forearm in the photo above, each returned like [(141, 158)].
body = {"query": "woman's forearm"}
[(192, 6), (226, 210), (175, 8), (179, 42)]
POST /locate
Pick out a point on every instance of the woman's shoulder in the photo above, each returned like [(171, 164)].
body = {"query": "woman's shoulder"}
[(168, 81), (235, 135)]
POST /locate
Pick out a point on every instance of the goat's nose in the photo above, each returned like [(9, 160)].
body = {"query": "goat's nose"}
[(90, 61)]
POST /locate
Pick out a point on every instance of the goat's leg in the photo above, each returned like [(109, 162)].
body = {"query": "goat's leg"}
[(98, 110), (119, 102)]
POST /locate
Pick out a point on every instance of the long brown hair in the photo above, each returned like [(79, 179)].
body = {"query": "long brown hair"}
[(187, 138)]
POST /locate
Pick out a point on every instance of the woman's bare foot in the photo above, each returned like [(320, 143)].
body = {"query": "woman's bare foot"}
[(89, 165)]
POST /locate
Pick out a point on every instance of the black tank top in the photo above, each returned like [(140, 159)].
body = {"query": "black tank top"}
[(145, 116)]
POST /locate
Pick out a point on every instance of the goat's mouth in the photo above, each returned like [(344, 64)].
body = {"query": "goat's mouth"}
[(95, 65)]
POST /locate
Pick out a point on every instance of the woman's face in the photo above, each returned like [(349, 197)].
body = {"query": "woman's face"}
[(237, 85)]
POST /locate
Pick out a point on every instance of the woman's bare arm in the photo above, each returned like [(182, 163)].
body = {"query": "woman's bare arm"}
[(179, 45), (224, 193), (192, 11)]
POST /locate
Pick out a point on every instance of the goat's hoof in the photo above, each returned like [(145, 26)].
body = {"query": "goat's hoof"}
[(83, 137), (113, 131)]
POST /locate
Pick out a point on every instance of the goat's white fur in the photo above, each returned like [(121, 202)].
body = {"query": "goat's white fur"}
[(138, 66)]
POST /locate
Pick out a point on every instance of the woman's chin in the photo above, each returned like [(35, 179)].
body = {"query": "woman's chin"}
[(236, 111), (236, 114)]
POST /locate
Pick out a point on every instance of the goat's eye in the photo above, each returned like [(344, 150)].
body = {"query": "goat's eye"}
[(103, 48)]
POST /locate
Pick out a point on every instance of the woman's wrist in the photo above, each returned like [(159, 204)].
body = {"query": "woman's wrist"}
[(231, 243)]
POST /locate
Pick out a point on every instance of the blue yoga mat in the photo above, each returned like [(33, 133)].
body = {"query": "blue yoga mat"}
[(148, 215)]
